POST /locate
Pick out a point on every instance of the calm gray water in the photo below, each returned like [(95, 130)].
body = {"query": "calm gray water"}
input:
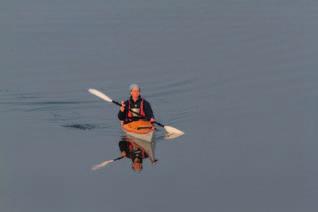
[(238, 76)]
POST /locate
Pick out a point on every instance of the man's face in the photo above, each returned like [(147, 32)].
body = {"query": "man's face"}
[(135, 92), (137, 167)]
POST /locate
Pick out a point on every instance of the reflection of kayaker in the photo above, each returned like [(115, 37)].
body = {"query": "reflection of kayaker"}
[(140, 107), (135, 152)]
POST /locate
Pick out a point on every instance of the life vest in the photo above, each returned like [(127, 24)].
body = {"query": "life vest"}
[(141, 109)]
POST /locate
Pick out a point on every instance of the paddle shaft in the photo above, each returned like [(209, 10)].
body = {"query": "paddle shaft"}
[(119, 104), (119, 158)]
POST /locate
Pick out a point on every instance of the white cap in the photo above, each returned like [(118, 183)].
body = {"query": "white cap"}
[(132, 86)]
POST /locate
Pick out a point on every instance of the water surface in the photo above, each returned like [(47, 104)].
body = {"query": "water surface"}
[(239, 77)]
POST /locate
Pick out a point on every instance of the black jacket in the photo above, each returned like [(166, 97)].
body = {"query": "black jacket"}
[(123, 116)]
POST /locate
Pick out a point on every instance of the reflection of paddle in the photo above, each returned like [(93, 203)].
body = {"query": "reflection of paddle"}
[(169, 129), (105, 163)]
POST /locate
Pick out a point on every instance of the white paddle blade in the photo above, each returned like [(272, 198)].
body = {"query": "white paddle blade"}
[(101, 165), (173, 132), (100, 94)]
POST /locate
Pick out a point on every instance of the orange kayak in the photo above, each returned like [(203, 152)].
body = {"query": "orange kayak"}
[(140, 129)]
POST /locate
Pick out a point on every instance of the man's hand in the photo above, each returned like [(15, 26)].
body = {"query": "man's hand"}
[(122, 108)]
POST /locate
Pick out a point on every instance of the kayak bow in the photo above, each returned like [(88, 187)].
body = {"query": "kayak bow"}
[(140, 129)]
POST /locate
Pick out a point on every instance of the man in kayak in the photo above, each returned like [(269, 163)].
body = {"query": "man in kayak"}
[(136, 103)]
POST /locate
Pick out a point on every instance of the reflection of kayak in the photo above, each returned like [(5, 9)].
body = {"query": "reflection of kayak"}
[(148, 147), (140, 129)]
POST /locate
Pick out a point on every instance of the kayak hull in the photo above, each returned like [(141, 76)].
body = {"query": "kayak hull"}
[(145, 137), (142, 130)]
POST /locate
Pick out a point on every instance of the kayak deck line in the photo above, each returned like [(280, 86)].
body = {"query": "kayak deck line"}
[(140, 128)]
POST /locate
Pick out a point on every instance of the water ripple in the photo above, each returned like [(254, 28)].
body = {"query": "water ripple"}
[(81, 126)]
